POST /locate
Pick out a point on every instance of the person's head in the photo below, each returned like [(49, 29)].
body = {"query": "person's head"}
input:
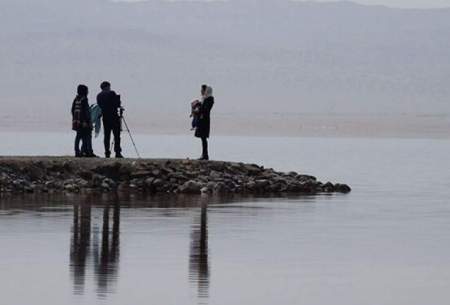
[(208, 92), (82, 90), (105, 86), (203, 89)]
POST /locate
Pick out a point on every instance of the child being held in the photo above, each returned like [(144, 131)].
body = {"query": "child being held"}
[(195, 113)]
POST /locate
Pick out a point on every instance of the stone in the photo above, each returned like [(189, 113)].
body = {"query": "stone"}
[(221, 188), (140, 174), (205, 190), (328, 187), (109, 182), (149, 182), (191, 187), (342, 188), (158, 183), (261, 184), (47, 174), (215, 174)]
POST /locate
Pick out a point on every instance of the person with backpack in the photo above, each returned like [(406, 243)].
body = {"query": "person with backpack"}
[(81, 123), (111, 107)]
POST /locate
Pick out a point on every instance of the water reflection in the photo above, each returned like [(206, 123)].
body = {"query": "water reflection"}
[(106, 256), (104, 253), (199, 273), (79, 246), (95, 238)]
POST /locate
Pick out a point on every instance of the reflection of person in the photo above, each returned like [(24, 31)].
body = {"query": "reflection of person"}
[(79, 246), (204, 121), (110, 104), (81, 123), (107, 256), (198, 261)]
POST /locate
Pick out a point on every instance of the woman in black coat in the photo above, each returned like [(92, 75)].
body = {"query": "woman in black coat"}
[(204, 123)]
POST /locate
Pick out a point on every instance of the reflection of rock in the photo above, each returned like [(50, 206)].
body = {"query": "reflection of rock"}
[(198, 259), (71, 175)]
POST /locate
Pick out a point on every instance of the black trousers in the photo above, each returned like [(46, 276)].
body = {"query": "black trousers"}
[(205, 147), (113, 127), (85, 137)]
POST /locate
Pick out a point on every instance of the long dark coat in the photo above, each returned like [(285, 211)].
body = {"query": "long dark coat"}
[(204, 124)]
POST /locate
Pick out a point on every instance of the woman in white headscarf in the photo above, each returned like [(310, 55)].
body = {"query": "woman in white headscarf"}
[(204, 122)]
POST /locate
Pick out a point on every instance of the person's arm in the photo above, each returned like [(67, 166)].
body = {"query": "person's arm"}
[(117, 100), (207, 105), (73, 107), (87, 113)]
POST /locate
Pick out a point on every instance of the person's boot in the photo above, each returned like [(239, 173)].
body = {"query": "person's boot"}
[(78, 154), (92, 155), (119, 156), (107, 154)]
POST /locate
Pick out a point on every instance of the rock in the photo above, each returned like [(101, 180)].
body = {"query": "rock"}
[(97, 180), (70, 187), (109, 170), (191, 187), (205, 190), (140, 174), (261, 184), (158, 183), (149, 182), (109, 183), (126, 170), (71, 175), (215, 174), (328, 187), (252, 169), (156, 173), (87, 175), (221, 188), (251, 186), (342, 188), (216, 166), (292, 174), (105, 186)]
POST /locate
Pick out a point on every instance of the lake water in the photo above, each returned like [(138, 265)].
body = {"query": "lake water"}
[(388, 242)]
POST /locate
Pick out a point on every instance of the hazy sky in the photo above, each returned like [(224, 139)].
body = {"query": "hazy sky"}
[(391, 3), (406, 3), (261, 58)]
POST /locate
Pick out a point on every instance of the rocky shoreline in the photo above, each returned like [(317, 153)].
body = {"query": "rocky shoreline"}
[(154, 176)]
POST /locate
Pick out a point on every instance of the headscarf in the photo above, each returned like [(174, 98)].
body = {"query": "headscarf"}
[(208, 92)]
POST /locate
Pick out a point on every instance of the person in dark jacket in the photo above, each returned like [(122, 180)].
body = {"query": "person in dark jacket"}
[(204, 121), (81, 123), (111, 107)]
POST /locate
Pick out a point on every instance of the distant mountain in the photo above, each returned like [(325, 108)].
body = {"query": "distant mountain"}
[(261, 56)]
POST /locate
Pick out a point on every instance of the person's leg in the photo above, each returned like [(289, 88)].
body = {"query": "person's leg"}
[(107, 140), (117, 147), (89, 150), (77, 144), (85, 143), (205, 155)]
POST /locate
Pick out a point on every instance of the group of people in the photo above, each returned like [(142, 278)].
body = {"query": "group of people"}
[(109, 110), (84, 118)]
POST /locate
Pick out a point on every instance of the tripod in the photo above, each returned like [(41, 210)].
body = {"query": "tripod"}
[(129, 133)]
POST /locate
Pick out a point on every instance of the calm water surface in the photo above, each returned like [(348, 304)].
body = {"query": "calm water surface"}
[(387, 242)]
